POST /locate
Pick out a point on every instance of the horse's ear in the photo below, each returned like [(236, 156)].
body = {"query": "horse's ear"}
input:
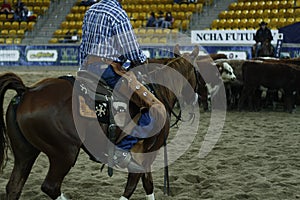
[(195, 52), (176, 51)]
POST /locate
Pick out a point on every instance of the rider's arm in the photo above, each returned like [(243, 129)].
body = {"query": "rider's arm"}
[(128, 42)]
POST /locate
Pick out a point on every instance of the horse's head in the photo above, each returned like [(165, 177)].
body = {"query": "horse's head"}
[(186, 66)]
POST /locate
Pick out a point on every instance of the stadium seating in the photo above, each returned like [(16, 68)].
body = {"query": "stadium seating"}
[(247, 14), (12, 32), (138, 11)]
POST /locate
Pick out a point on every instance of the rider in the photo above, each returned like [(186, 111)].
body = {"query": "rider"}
[(108, 41), (262, 35)]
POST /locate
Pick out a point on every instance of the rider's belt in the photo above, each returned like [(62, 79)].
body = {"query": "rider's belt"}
[(116, 65)]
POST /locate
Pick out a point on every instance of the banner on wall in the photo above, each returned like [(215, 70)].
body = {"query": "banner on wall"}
[(56, 55), (221, 37)]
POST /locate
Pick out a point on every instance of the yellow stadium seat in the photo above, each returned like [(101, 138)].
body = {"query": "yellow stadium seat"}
[(176, 24), (281, 12), (9, 41), (72, 25), (290, 4), (4, 32), (70, 16), (222, 23), (134, 16), (2, 17), (276, 4), (1, 25), (252, 14), (78, 24), (79, 32), (30, 25), (243, 23), (247, 5), (251, 23), (235, 23), (237, 14), (281, 22), (191, 7), (2, 40), (297, 3), (150, 31), (30, 3), (245, 14), (57, 32), (261, 5), (53, 41), (283, 4), (215, 24), (297, 12), (15, 25), (289, 12), (180, 15), (183, 7), (75, 9), (269, 5), (239, 6), (273, 23), (81, 9), (169, 7), (185, 24), (76, 17), (46, 3), (253, 5), (153, 7), (233, 6), (20, 33), (64, 24), (6, 25), (17, 41), (146, 8), (266, 13), (259, 13), (274, 13), (161, 7), (23, 25), (222, 14), (176, 7), (290, 21)]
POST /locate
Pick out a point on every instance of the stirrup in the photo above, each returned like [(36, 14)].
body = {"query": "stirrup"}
[(123, 159)]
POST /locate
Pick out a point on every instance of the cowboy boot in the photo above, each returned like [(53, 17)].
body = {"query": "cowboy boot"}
[(123, 159)]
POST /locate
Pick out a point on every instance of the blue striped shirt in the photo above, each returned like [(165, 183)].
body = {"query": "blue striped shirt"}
[(107, 33)]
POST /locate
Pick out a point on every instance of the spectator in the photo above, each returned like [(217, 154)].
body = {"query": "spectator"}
[(177, 1), (160, 19), (168, 21), (21, 12), (87, 2), (151, 20), (6, 8)]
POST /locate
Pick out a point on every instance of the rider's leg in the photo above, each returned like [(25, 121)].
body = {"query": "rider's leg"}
[(258, 47)]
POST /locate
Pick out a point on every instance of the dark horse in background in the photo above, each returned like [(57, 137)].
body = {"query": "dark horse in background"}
[(267, 50), (40, 118)]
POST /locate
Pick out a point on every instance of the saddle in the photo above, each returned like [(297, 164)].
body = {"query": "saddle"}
[(100, 98)]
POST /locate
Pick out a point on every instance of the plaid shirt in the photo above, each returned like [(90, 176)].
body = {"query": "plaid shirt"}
[(107, 33)]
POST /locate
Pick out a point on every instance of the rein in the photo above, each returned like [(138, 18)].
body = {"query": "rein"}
[(164, 99)]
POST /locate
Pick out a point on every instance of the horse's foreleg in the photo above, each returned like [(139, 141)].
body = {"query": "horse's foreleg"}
[(132, 181), (60, 165), (148, 185)]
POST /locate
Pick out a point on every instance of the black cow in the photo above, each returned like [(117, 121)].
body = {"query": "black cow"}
[(272, 76)]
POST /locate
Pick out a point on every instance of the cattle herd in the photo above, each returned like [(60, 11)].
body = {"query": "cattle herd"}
[(252, 85)]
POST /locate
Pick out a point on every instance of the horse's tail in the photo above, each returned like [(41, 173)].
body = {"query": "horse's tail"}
[(13, 82)]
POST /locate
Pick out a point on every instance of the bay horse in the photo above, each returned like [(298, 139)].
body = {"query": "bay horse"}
[(267, 49), (41, 118)]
